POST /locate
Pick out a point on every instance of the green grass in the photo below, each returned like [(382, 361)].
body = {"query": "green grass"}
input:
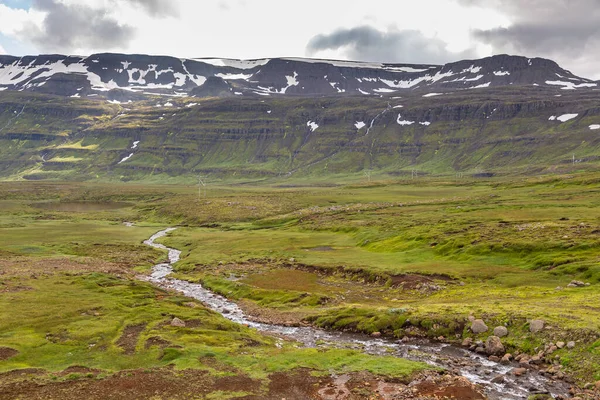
[(498, 249)]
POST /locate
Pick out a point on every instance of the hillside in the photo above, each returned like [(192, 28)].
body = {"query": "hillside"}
[(509, 124)]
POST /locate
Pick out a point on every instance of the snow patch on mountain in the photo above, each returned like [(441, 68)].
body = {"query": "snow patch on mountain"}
[(501, 73), (312, 125), (566, 117), (594, 127), (126, 158), (234, 76), (384, 90), (403, 122), (472, 69), (570, 85), (291, 81), (483, 85), (234, 63), (432, 94), (360, 124)]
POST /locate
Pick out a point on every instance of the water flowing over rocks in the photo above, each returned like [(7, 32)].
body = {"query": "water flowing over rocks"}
[(501, 381)]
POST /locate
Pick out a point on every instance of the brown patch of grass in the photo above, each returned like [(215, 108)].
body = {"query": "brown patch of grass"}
[(129, 338), (7, 352)]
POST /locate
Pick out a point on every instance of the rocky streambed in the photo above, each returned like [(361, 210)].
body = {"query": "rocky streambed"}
[(497, 379)]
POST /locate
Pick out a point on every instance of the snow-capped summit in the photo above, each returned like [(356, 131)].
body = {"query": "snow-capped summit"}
[(137, 76)]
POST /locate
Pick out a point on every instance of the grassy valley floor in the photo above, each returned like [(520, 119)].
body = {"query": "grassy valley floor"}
[(404, 259)]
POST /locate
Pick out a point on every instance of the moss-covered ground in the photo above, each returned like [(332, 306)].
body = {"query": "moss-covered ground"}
[(405, 258)]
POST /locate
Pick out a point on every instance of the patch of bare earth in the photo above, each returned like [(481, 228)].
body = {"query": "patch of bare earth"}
[(413, 281), (7, 352), (271, 316), (167, 383), (129, 338)]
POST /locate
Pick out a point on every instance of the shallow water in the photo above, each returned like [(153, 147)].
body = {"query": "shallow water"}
[(472, 366)]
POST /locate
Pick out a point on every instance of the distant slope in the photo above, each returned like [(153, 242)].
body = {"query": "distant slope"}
[(120, 77), (514, 129)]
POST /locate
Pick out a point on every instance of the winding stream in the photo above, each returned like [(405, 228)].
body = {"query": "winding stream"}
[(472, 366)]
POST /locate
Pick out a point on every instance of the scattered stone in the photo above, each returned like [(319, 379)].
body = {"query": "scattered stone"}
[(576, 284), (478, 326), (467, 342), (376, 334), (494, 358), (535, 360), (191, 304), (519, 371), (597, 385), (560, 345), (480, 350), (471, 318), (500, 331), (498, 379), (292, 260), (494, 346), (571, 345), (506, 358), (178, 323), (536, 325)]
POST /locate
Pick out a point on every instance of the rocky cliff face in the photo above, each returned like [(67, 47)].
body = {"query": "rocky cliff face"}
[(120, 77)]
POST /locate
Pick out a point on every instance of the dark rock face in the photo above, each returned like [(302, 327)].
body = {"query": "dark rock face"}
[(137, 75), (213, 87)]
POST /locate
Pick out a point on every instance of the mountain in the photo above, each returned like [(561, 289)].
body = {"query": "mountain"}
[(120, 77), (145, 118)]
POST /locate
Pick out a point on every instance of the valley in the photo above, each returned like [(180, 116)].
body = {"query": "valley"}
[(400, 260), (298, 229)]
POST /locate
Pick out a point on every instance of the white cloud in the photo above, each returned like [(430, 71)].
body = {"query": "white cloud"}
[(13, 20)]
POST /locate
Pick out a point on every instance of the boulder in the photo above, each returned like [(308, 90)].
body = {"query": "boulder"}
[(467, 342), (376, 334), (560, 345), (478, 326), (519, 371), (494, 346), (536, 325), (571, 345), (178, 323), (506, 358), (576, 284), (500, 331)]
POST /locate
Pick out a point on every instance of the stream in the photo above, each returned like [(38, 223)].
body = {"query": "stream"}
[(474, 367)]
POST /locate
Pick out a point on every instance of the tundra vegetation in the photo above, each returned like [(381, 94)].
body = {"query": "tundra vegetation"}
[(400, 258)]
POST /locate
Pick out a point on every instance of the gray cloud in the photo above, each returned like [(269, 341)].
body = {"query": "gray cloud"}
[(566, 31), (158, 8), (69, 27), (369, 44)]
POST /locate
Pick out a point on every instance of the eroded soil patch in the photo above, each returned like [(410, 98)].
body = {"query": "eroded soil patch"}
[(7, 352), (129, 338)]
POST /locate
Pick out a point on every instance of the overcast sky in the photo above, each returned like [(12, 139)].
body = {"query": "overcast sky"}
[(408, 31)]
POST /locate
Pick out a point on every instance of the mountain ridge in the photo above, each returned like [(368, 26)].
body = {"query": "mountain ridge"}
[(133, 77)]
